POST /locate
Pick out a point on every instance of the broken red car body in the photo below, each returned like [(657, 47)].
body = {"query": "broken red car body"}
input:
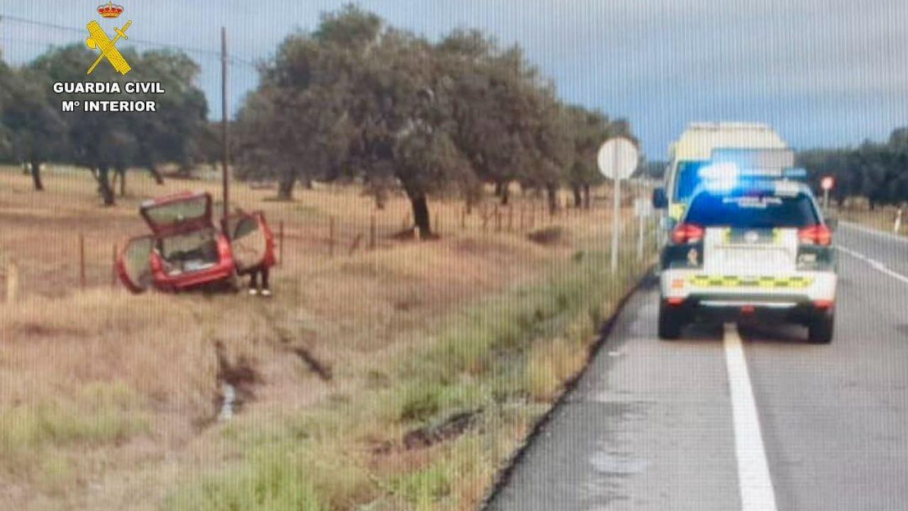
[(186, 250)]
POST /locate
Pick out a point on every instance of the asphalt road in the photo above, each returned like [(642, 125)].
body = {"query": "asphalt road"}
[(747, 417)]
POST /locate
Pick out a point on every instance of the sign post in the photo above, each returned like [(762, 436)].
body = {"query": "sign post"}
[(617, 160), (826, 184)]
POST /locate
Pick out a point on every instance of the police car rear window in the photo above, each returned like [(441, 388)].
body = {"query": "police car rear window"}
[(752, 211)]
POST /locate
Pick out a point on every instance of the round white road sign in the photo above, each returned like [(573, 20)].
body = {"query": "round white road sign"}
[(618, 158)]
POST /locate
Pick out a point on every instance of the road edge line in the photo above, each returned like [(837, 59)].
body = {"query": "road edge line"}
[(507, 471), (754, 480), (874, 264)]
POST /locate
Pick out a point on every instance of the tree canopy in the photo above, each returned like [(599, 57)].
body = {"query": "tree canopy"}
[(358, 99)]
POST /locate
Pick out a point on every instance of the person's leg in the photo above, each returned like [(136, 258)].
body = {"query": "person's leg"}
[(253, 282), (266, 287)]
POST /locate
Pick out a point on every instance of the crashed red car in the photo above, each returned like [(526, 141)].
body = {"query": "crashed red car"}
[(186, 250)]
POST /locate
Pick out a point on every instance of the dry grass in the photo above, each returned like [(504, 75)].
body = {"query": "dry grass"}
[(882, 218), (107, 399)]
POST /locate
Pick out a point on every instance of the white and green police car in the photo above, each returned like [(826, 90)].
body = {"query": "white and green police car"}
[(758, 249)]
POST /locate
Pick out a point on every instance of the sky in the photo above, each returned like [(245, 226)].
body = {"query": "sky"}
[(822, 72)]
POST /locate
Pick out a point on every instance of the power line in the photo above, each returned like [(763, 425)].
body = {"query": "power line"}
[(141, 42)]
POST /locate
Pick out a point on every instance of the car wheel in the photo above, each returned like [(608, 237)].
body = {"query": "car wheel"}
[(821, 329), (671, 321)]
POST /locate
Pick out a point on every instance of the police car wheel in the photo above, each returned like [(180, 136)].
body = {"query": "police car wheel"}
[(670, 323), (820, 330)]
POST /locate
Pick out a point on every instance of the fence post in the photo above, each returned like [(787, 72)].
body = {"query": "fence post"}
[(463, 218), (355, 244), (280, 248), (113, 267), (331, 237), (510, 217), (12, 282), (497, 219), (372, 232), (82, 279)]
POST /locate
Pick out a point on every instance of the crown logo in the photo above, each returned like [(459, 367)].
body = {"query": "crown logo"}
[(111, 10)]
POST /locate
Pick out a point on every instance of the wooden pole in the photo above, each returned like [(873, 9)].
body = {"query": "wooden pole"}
[(463, 218), (82, 279), (280, 249), (372, 232), (225, 130), (497, 219), (510, 217), (331, 237), (113, 267)]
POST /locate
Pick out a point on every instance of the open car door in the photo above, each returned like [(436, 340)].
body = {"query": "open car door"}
[(251, 240), (134, 264)]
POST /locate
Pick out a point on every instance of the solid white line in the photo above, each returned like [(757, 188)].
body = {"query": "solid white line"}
[(757, 493), (876, 265), (874, 232)]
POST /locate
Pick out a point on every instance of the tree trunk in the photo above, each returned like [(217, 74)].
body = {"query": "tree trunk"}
[(156, 174), (285, 189), (36, 176), (586, 196), (498, 189), (306, 181), (552, 193), (121, 173), (104, 188), (505, 194), (578, 198), (421, 216)]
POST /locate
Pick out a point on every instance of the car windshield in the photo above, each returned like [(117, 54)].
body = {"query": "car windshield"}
[(752, 210), (687, 179)]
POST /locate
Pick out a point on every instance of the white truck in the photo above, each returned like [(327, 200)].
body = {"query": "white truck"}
[(695, 150)]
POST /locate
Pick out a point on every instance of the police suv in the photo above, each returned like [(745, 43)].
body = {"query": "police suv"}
[(758, 248)]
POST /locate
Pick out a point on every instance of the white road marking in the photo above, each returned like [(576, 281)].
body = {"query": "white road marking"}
[(875, 232), (754, 481), (876, 265)]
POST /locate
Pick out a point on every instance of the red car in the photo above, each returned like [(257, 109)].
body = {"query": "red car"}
[(186, 250)]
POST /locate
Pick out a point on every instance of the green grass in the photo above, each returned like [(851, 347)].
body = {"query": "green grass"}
[(505, 359), (32, 436)]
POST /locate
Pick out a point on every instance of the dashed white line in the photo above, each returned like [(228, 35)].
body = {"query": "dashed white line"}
[(754, 481), (876, 265)]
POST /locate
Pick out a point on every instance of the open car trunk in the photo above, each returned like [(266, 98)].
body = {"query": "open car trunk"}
[(189, 252)]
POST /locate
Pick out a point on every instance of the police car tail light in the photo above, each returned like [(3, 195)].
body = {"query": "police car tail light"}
[(815, 235), (687, 233)]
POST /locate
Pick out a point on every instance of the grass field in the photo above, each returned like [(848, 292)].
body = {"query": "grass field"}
[(396, 378)]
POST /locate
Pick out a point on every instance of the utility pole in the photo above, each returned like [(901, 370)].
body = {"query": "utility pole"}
[(225, 130)]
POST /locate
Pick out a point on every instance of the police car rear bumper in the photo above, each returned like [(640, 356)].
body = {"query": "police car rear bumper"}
[(790, 294)]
